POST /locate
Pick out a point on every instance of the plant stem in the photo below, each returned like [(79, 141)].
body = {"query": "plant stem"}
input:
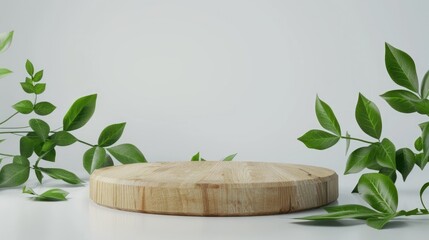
[(357, 139), (6, 155), (14, 127), (7, 119), (89, 144), (13, 132)]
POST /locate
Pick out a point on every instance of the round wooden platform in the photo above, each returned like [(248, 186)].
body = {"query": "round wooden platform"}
[(214, 188)]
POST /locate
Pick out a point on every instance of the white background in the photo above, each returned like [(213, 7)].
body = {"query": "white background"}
[(218, 77)]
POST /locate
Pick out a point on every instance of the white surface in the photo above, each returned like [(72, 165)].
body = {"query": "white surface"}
[(80, 218), (218, 77)]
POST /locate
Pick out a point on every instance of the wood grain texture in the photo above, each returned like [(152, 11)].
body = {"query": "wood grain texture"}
[(214, 188)]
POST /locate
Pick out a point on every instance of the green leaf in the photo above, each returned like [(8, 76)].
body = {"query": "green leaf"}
[(419, 161), (379, 192), (44, 108), (63, 138), (425, 86), (391, 173), (111, 134), (425, 142), (39, 174), (58, 173), (94, 159), (345, 211), (423, 125), (79, 113), (26, 146), (401, 100), (27, 87), (24, 106), (386, 154), (196, 157), (401, 68), (422, 106), (39, 88), (38, 76), (326, 117), (347, 142), (54, 194), (418, 144), (368, 117), (318, 139), (108, 162), (40, 127), (12, 175), (359, 159), (5, 40), (127, 153), (422, 190), (230, 157), (29, 67), (379, 222), (4, 72), (48, 145), (405, 161), (28, 190), (21, 160)]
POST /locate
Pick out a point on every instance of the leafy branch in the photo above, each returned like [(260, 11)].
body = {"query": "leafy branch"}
[(378, 189), (39, 142)]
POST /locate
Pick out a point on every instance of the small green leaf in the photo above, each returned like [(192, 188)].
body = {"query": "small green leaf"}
[(418, 144), (5, 40), (111, 134), (29, 67), (26, 146), (422, 106), (345, 211), (108, 162), (79, 113), (196, 157), (12, 175), (230, 157), (359, 159), (94, 159), (425, 86), (24, 106), (379, 222), (391, 173), (28, 190), (27, 87), (21, 160), (379, 192), (386, 154), (44, 108), (40, 127), (405, 161), (419, 161), (63, 138), (422, 190), (55, 194), (401, 68), (39, 174), (61, 174), (38, 76), (48, 145), (127, 153), (4, 72), (326, 117), (39, 88), (318, 139), (401, 100), (368, 117), (425, 143)]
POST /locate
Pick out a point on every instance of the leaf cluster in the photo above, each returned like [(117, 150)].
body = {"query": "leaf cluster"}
[(379, 154)]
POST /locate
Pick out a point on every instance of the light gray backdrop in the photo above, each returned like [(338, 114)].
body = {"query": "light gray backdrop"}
[(217, 77)]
